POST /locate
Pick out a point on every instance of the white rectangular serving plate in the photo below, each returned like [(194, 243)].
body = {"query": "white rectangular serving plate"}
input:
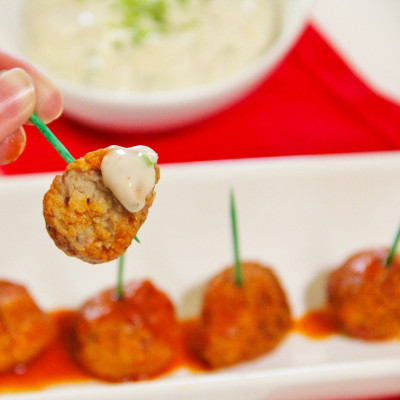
[(300, 215)]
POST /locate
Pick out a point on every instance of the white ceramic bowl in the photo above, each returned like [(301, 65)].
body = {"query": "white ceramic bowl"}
[(132, 112)]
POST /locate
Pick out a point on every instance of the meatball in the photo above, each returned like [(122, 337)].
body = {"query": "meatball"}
[(240, 323), (83, 216), (364, 295), (129, 338), (25, 331)]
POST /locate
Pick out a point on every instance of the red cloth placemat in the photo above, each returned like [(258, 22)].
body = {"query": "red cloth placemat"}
[(312, 104)]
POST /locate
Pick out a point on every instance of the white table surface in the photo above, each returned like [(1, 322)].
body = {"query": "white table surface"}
[(367, 34)]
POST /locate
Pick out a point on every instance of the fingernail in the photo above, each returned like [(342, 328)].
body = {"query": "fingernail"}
[(17, 92), (12, 147)]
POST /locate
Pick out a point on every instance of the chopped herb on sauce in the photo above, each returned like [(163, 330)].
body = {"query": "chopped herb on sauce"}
[(144, 16)]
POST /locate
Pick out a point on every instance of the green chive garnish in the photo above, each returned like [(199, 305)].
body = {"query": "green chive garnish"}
[(144, 17), (238, 266), (146, 158)]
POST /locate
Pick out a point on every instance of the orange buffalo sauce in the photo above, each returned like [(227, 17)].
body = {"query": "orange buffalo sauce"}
[(57, 366), (188, 359), (317, 324), (54, 366)]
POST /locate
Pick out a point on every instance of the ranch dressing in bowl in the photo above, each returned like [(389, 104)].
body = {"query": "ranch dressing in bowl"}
[(129, 173), (147, 45)]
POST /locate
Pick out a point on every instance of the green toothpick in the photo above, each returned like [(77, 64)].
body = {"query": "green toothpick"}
[(238, 266), (392, 251), (48, 134), (119, 290)]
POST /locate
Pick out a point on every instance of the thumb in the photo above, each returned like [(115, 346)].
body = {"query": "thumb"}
[(17, 100)]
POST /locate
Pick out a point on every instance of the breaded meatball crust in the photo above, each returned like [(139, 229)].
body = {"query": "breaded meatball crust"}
[(83, 216), (25, 331), (130, 338), (240, 323), (364, 295)]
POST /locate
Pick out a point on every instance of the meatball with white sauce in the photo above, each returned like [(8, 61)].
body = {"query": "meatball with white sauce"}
[(94, 209)]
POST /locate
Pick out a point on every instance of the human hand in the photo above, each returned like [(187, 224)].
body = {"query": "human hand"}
[(23, 90)]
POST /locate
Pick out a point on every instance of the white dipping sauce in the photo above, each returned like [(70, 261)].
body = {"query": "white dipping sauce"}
[(93, 42), (129, 173)]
